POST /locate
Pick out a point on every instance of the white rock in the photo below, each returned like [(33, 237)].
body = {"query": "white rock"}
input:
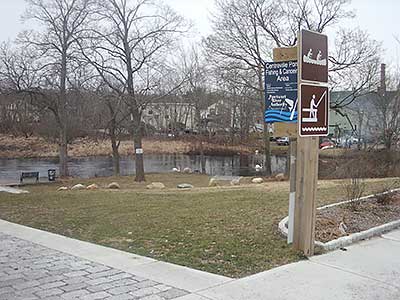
[(78, 187), (184, 186), (257, 180), (63, 188), (235, 181), (213, 182), (114, 186), (280, 177), (93, 187), (156, 186)]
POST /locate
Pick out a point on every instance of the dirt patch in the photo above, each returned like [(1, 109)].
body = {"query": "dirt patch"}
[(342, 220)]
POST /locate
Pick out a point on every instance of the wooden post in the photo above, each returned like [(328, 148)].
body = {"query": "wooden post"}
[(314, 76), (306, 187)]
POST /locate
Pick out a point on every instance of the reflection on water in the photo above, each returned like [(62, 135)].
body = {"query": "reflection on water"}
[(10, 169)]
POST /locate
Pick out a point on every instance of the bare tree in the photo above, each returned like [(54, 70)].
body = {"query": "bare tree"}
[(127, 47), (196, 91), (238, 38), (63, 24), (242, 99), (354, 66), (17, 74), (116, 117), (245, 31), (281, 20)]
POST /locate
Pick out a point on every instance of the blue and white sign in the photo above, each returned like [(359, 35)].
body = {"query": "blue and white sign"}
[(281, 92)]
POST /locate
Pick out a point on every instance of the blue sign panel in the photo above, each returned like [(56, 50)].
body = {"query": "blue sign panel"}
[(281, 92)]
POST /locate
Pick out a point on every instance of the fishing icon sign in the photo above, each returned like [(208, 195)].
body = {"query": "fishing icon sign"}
[(314, 110)]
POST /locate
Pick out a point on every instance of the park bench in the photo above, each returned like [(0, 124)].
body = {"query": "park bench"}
[(29, 175)]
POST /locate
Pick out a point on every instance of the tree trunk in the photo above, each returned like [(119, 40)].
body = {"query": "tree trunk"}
[(63, 151), (267, 144), (137, 141), (139, 157), (114, 142), (360, 123), (62, 110), (115, 154), (202, 158)]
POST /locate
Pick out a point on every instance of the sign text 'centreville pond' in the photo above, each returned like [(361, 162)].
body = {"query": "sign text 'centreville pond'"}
[(281, 92)]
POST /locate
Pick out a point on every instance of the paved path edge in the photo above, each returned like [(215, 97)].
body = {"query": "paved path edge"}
[(174, 275)]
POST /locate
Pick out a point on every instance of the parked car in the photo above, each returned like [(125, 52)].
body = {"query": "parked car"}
[(327, 144), (283, 141)]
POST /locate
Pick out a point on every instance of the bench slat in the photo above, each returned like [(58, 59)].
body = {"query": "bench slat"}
[(29, 175)]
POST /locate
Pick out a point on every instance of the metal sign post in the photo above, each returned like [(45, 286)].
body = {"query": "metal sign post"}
[(313, 115), (288, 89)]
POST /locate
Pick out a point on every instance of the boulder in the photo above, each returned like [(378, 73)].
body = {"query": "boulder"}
[(257, 180), (185, 186), (62, 189), (235, 181), (187, 170), (280, 177), (213, 182), (78, 187), (156, 186), (114, 186), (93, 187)]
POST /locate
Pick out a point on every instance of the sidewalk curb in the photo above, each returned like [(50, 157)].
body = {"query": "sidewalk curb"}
[(352, 238)]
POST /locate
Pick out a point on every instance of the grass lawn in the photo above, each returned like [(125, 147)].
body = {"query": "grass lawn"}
[(226, 230)]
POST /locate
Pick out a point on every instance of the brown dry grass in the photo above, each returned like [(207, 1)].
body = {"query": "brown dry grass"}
[(21, 147), (37, 147)]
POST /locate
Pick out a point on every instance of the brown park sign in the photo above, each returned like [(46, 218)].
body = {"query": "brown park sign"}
[(313, 56), (313, 110)]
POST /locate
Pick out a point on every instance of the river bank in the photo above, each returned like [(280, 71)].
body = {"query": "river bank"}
[(37, 147)]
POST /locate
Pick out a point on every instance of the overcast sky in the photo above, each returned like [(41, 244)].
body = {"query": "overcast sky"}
[(379, 17)]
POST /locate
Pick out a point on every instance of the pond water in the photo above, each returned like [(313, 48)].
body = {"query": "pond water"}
[(243, 165)]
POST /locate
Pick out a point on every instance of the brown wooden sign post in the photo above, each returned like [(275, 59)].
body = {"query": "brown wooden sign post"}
[(313, 114)]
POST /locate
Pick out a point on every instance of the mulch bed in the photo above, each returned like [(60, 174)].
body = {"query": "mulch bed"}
[(356, 217)]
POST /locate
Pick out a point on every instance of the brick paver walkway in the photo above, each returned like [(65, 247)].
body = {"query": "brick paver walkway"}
[(30, 271)]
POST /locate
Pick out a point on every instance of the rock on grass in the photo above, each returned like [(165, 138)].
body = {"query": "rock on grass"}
[(114, 186)]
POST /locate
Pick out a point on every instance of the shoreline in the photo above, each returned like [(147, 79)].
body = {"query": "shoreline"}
[(38, 148)]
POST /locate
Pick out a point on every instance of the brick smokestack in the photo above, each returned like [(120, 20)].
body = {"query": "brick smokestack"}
[(383, 80)]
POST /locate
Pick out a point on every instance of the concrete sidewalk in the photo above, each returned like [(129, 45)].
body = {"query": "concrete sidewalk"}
[(369, 270)]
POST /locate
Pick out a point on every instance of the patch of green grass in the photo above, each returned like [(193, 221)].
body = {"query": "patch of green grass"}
[(230, 230)]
